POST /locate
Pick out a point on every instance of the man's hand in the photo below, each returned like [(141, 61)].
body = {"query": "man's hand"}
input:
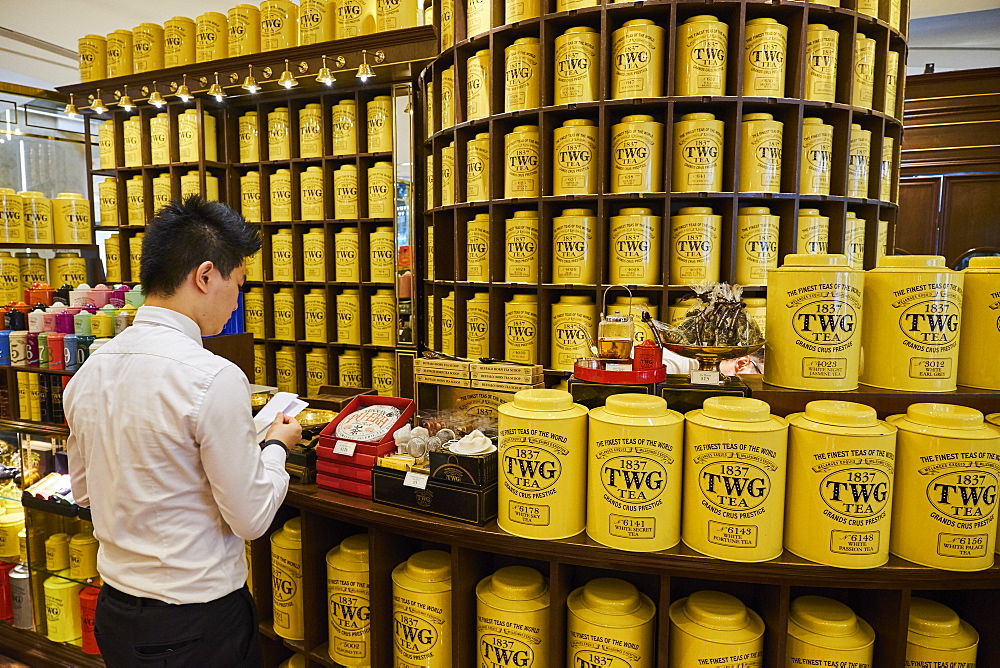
[(285, 429)]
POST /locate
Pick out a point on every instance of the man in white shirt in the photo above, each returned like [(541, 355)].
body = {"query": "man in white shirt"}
[(163, 449)]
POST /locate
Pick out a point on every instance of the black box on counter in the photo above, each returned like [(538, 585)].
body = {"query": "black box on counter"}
[(440, 498), (682, 395), (594, 395), (469, 470)]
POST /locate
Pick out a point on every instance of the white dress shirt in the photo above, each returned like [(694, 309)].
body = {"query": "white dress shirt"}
[(163, 449)]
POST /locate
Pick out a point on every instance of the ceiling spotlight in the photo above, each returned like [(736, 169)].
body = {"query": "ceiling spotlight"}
[(287, 78), (71, 109), (325, 75), (215, 90), (125, 102), (183, 92), (155, 98), (250, 84), (365, 71), (98, 104)]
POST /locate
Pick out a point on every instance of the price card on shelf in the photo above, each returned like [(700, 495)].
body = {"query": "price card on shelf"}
[(344, 448), (418, 480), (705, 377)]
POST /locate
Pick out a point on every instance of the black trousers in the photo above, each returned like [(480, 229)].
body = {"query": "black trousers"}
[(133, 631)]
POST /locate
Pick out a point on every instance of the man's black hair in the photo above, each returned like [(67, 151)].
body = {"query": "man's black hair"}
[(183, 234)]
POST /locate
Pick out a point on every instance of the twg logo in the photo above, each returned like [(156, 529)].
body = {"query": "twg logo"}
[(768, 155), (763, 249), (825, 322), (633, 58), (734, 486), (519, 73), (205, 38), (824, 61), (349, 612), (531, 469), (632, 153), (965, 495), (693, 247), (271, 24), (931, 322), (573, 65), (631, 248), (349, 11), (519, 249), (768, 56), (699, 152), (575, 155), (856, 492), (282, 582), (589, 659), (635, 479), (569, 247), (498, 651), (523, 162), (520, 330), (412, 633), (709, 53)]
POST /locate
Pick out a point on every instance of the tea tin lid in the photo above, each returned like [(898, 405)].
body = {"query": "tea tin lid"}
[(480, 297), (342, 168), (576, 300), (523, 299), (755, 302), (737, 409), (483, 136), (60, 580), (698, 116), (702, 18), (754, 211), (293, 529), (635, 405), (638, 22), (827, 623), (757, 117), (991, 263), (817, 26), (348, 101), (855, 127), (586, 122), (525, 128), (83, 538), (533, 215), (945, 421), (936, 626), (635, 211), (912, 263), (73, 195), (314, 170), (812, 120), (820, 261), (12, 518), (810, 213), (7, 191), (482, 218), (350, 555), (759, 22), (716, 617), (576, 212), (548, 401), (696, 211), (638, 118), (611, 603), (577, 29), (514, 589), (249, 113), (31, 194), (427, 571), (829, 416), (317, 105)]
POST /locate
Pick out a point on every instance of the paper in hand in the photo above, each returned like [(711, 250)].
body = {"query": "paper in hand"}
[(281, 402)]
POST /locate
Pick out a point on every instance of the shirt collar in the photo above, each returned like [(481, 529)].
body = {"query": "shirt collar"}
[(157, 315)]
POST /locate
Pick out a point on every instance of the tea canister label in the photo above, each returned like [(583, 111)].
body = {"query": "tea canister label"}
[(825, 319), (521, 177), (576, 67), (636, 165), (530, 468), (575, 169), (349, 616), (520, 72), (928, 325), (607, 651), (698, 156), (421, 634)]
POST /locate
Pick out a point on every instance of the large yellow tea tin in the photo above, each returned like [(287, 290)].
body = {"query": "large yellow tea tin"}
[(379, 112), (449, 99), (574, 164), (11, 216), (212, 37), (637, 54), (62, 608), (813, 233), (573, 318), (92, 51), (383, 315), (421, 610), (521, 248), (279, 141), (132, 131), (249, 137), (285, 371), (821, 63), (285, 314), (119, 54), (71, 219), (695, 246), (478, 17), (317, 19), (281, 195), (106, 145), (697, 153), (345, 123), (286, 572), (522, 74), (520, 10), (447, 27), (859, 161), (381, 191), (448, 323), (885, 170), (396, 14), (278, 29), (347, 266), (147, 47), (159, 140), (764, 58), (244, 30), (521, 328), (635, 247), (512, 618), (250, 197), (310, 131), (822, 630), (349, 317), (864, 71), (477, 84), (477, 248), (191, 185), (349, 368), (311, 197), (714, 628), (382, 252), (702, 43), (36, 213), (611, 624), (854, 240), (980, 338), (636, 155), (947, 466), (314, 316), (841, 462), (936, 636), (448, 174), (891, 83), (349, 613), (385, 380), (477, 164), (477, 319), (577, 68), (734, 479), (573, 250), (760, 155), (543, 469), (634, 473), (815, 163), (345, 192), (757, 244), (521, 162), (813, 323), (913, 308)]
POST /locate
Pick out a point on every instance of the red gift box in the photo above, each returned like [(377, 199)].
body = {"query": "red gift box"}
[(328, 436), (337, 484)]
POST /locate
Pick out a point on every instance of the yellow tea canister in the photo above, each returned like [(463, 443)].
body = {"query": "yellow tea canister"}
[(868, 7), (980, 338), (477, 165), (317, 370), (521, 248), (816, 159), (349, 368), (11, 216), (764, 58), (477, 83), (841, 465), (478, 17), (107, 193), (147, 48), (574, 164), (36, 212), (477, 248), (757, 244), (448, 174), (120, 54), (212, 37), (311, 200), (281, 195), (812, 233), (191, 185), (859, 161), (760, 156), (248, 135), (67, 267), (449, 100), (349, 318), (279, 141), (132, 132), (159, 140), (162, 188), (822, 630), (947, 466), (278, 29), (821, 63), (936, 636), (345, 192), (714, 628), (253, 307), (317, 19), (310, 131), (882, 247), (447, 27), (379, 124), (381, 191), (382, 252), (854, 240), (92, 51), (635, 247), (285, 314), (71, 218), (314, 317), (891, 83), (543, 471), (573, 249), (636, 155), (106, 145), (448, 323), (349, 612), (286, 572), (734, 479), (702, 43), (314, 256), (345, 123), (477, 319), (864, 71), (695, 246), (610, 623), (396, 14), (62, 608), (886, 181), (521, 162), (574, 317), (577, 68), (697, 153), (913, 311), (346, 256), (521, 328), (512, 618), (522, 74), (285, 370), (637, 55), (383, 315), (813, 323), (421, 610), (634, 473), (112, 254), (519, 10), (250, 197), (244, 30)]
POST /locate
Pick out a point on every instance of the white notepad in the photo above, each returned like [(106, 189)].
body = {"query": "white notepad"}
[(281, 402)]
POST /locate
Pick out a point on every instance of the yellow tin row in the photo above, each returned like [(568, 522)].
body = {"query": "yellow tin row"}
[(195, 135), (318, 371), (29, 217)]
